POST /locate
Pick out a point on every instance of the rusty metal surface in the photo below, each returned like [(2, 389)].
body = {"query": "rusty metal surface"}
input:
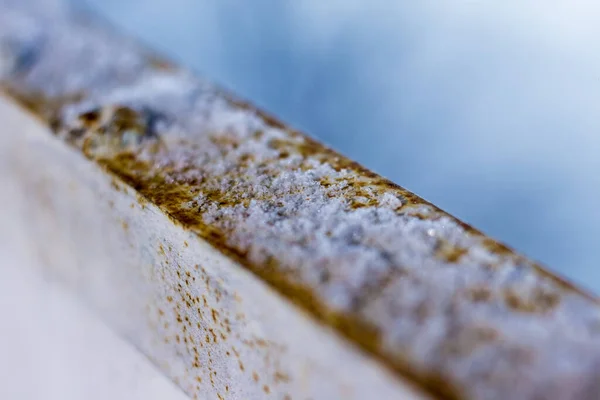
[(211, 326), (430, 297)]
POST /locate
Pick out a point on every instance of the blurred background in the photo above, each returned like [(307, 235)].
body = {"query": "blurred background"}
[(490, 110)]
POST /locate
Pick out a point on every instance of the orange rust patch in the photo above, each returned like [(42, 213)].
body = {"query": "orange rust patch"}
[(480, 294), (449, 253), (281, 377), (541, 302)]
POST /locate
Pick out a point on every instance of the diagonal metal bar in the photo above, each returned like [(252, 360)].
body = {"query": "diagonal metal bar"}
[(427, 296)]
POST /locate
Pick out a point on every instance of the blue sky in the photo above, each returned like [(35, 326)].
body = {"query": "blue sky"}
[(490, 110)]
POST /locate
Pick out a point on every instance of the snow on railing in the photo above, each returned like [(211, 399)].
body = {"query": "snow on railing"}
[(248, 260)]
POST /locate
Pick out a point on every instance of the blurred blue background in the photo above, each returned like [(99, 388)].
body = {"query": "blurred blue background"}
[(490, 110)]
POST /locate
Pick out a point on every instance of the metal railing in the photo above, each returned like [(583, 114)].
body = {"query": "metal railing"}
[(248, 260)]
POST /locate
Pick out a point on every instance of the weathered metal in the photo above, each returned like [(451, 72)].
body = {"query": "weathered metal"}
[(228, 217)]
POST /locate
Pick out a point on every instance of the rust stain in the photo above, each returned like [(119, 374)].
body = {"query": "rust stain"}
[(541, 302), (449, 253), (169, 189), (169, 194)]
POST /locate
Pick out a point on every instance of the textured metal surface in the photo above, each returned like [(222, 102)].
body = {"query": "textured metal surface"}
[(211, 326), (431, 298)]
